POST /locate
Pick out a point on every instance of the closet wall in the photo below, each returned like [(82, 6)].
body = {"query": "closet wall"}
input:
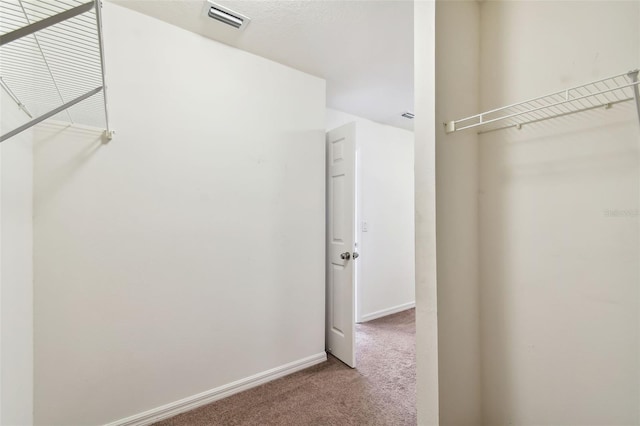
[(559, 221), (385, 203), (550, 334), (424, 14), (456, 92), (16, 269), (188, 252)]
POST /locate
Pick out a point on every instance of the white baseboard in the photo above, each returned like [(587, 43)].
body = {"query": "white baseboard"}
[(389, 311), (207, 397)]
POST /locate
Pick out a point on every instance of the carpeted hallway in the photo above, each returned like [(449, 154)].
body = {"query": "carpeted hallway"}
[(381, 391)]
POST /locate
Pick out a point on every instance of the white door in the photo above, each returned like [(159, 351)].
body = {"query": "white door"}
[(340, 243)]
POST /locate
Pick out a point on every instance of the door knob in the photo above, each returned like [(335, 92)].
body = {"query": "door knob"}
[(356, 255), (346, 255)]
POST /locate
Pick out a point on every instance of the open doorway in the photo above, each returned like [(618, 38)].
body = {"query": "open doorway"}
[(370, 235)]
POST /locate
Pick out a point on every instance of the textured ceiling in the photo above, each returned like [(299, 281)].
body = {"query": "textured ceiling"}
[(364, 49)]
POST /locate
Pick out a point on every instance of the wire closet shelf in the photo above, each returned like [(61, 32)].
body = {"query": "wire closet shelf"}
[(603, 93), (52, 62)]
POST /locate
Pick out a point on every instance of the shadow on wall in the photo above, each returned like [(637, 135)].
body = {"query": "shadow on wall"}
[(86, 143), (558, 267)]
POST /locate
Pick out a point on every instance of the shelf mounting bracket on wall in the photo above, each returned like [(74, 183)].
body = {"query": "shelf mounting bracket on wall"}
[(52, 51), (603, 93)]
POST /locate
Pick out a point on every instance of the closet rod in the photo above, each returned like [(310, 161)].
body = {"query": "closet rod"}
[(47, 22), (49, 114)]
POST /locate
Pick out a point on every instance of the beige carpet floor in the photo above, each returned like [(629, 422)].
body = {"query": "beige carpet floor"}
[(380, 391)]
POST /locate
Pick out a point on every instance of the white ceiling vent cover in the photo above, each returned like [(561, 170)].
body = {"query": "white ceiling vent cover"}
[(226, 15)]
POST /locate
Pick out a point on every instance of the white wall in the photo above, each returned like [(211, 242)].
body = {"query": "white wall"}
[(559, 318), (425, 214), (386, 277), (560, 279), (189, 251), (456, 59), (16, 270)]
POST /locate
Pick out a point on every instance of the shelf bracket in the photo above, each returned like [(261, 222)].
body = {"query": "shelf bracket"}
[(450, 126), (51, 114), (633, 75), (108, 133)]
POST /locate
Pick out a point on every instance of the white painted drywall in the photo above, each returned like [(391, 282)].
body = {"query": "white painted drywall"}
[(16, 269), (386, 277), (189, 251), (425, 214), (559, 276), (335, 118), (328, 39), (457, 56)]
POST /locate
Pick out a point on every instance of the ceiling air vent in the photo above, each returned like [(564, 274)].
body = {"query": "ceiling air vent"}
[(227, 16), (408, 115)]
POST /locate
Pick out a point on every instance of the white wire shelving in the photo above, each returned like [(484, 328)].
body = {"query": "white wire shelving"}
[(603, 93), (52, 61)]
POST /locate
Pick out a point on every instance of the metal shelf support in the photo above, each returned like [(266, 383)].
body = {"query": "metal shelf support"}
[(49, 114), (108, 133)]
